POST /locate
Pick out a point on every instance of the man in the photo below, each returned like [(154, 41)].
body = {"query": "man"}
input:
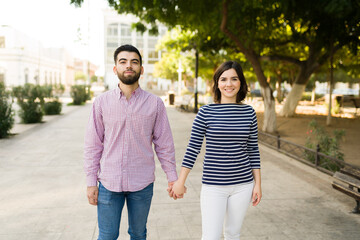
[(123, 124)]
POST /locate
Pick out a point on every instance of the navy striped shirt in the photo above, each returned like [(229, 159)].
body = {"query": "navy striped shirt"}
[(231, 143)]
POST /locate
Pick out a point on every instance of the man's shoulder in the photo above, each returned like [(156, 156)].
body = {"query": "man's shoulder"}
[(152, 97), (149, 94), (105, 95)]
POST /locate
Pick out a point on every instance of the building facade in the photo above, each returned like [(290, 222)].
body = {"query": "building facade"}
[(25, 60), (118, 31)]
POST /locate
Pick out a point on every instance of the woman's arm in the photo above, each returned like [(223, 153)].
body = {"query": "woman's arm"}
[(256, 194)]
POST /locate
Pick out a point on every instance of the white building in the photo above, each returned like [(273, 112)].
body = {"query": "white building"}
[(25, 60), (118, 31)]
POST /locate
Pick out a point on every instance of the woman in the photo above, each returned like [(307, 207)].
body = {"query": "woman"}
[(231, 169)]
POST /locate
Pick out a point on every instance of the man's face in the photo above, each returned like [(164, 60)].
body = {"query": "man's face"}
[(128, 67)]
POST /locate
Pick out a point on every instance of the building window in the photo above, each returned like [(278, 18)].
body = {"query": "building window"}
[(50, 78), (36, 77), (2, 42), (45, 76), (26, 73), (112, 30), (152, 42), (153, 56), (125, 30)]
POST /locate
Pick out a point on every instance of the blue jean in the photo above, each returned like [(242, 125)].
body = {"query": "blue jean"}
[(110, 205)]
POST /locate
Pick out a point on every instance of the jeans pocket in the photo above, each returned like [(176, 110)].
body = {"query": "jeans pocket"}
[(104, 195)]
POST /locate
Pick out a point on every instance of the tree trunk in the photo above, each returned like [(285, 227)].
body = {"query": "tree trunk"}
[(306, 69), (279, 95), (328, 119), (313, 95), (269, 124), (292, 100)]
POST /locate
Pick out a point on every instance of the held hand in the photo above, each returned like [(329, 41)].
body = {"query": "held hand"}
[(92, 194), (256, 195), (169, 189), (178, 190)]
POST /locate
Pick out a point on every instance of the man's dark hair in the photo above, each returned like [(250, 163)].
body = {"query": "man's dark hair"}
[(127, 48), (243, 86)]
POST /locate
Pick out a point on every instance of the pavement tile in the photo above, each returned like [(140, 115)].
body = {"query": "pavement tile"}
[(43, 191)]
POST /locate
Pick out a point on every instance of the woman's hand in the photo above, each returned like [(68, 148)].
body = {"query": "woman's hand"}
[(256, 195), (178, 190)]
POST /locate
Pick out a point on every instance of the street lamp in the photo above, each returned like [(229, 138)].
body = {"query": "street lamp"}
[(180, 70), (196, 81)]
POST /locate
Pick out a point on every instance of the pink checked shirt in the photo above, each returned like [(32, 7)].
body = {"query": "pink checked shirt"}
[(118, 142)]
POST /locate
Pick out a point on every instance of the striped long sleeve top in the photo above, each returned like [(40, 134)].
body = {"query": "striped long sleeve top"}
[(232, 148)]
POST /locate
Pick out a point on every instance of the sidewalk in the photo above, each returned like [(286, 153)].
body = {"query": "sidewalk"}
[(43, 191)]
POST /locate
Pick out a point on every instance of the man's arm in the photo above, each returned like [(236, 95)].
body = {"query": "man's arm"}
[(93, 148), (164, 143)]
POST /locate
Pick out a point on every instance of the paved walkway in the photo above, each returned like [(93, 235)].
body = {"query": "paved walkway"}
[(42, 191)]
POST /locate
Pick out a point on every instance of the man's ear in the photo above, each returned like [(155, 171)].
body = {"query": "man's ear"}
[(114, 70), (142, 70)]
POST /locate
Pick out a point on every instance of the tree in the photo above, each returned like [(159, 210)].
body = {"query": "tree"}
[(294, 31), (313, 32), (214, 21)]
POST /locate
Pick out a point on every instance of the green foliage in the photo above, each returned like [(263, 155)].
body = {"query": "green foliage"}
[(329, 145), (80, 93), (52, 108), (93, 79), (31, 112), (80, 76), (306, 96), (298, 32), (6, 112), (31, 98)]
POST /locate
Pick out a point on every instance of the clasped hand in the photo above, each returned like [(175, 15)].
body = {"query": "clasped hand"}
[(176, 190)]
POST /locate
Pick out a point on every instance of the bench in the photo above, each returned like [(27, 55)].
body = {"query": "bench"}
[(347, 181), (356, 102), (343, 100)]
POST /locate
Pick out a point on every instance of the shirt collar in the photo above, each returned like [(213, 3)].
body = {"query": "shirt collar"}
[(135, 93)]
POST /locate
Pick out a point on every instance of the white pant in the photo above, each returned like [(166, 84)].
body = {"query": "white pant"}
[(219, 203)]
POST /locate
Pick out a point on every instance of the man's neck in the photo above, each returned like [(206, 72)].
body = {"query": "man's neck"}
[(127, 90)]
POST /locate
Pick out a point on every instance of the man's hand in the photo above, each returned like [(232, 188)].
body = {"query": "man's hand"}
[(92, 194), (178, 190)]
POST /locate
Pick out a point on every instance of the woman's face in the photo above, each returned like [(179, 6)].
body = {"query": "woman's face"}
[(229, 86)]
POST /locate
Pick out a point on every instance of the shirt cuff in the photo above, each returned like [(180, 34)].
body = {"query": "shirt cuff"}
[(91, 181), (172, 176)]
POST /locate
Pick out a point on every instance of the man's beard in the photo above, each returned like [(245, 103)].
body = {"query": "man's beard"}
[(129, 80)]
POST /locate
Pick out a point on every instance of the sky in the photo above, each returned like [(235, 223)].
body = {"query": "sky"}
[(55, 23)]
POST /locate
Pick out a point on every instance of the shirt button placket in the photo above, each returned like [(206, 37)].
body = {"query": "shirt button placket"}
[(125, 150)]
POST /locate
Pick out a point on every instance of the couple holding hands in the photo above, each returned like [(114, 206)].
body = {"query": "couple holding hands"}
[(126, 122)]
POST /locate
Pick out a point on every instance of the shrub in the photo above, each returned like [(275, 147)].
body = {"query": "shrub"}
[(52, 108), (31, 112), (30, 98), (328, 145), (80, 93), (6, 112)]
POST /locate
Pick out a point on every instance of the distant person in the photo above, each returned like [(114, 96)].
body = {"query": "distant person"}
[(119, 159), (231, 169)]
